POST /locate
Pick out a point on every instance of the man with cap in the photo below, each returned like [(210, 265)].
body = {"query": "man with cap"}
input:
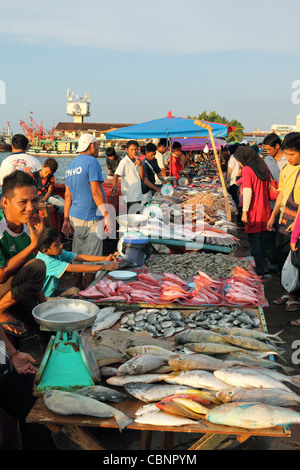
[(85, 204)]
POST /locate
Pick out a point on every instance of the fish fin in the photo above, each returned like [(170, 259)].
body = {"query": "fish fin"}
[(276, 338), (122, 420)]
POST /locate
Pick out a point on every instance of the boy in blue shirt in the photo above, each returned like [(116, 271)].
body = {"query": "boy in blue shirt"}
[(58, 260)]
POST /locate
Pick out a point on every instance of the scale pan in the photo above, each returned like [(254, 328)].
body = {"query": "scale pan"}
[(65, 314)]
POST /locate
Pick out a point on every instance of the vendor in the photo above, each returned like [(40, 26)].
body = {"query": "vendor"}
[(152, 170), (112, 161), (175, 161)]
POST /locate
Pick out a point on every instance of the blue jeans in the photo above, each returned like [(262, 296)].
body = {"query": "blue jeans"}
[(257, 242)]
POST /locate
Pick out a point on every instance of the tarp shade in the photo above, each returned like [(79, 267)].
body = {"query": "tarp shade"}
[(198, 143), (165, 128)]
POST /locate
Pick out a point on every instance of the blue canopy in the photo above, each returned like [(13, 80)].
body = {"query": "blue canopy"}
[(166, 127)]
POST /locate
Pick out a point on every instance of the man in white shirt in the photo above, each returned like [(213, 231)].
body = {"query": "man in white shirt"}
[(131, 172), (161, 150), (19, 160)]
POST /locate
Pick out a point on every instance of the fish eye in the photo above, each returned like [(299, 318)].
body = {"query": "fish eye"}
[(134, 366)]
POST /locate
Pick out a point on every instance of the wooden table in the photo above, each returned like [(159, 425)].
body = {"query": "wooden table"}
[(76, 428)]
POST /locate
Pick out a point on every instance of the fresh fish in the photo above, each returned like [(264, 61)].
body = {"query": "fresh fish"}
[(180, 409), (200, 361), (198, 336), (251, 343), (156, 392), (67, 403), (150, 408), (98, 392), (191, 403), (120, 380), (149, 349), (293, 380), (248, 378), (256, 360), (256, 334), (213, 348), (197, 379), (141, 364), (106, 318), (252, 415), (269, 396), (161, 418)]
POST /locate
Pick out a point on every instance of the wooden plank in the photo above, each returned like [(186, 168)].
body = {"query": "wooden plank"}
[(40, 414)]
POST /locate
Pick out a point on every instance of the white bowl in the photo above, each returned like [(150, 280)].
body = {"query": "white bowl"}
[(122, 275)]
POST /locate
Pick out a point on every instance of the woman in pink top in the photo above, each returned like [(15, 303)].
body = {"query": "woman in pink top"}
[(256, 205)]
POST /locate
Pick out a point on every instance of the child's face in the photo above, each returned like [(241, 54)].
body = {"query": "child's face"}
[(55, 249), (292, 156), (45, 172)]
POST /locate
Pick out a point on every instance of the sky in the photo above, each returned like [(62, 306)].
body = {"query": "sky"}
[(139, 60)]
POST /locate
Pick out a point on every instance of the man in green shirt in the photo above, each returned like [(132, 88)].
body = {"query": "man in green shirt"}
[(21, 275)]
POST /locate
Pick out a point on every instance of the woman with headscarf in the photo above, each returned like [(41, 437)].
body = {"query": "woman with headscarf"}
[(256, 205)]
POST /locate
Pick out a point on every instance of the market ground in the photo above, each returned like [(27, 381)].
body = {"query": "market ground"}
[(276, 320)]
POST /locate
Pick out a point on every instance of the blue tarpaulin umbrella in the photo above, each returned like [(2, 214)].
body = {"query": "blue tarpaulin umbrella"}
[(169, 126)]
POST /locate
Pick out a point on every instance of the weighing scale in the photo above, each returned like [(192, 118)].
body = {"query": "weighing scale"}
[(69, 362)]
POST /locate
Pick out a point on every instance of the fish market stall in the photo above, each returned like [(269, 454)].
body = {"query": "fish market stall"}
[(162, 387)]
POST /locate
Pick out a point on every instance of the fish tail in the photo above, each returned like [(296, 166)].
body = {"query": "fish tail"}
[(122, 420), (276, 338)]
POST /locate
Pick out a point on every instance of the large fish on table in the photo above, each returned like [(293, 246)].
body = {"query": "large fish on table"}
[(252, 415), (268, 396), (256, 334), (160, 418), (196, 379), (201, 361), (142, 364), (251, 344), (199, 335), (156, 392), (67, 403), (249, 378)]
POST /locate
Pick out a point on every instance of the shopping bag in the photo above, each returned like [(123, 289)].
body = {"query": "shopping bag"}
[(290, 275)]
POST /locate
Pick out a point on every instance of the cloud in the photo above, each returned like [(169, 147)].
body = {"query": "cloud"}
[(159, 27)]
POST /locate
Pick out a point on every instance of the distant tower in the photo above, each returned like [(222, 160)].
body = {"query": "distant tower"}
[(298, 123), (79, 107)]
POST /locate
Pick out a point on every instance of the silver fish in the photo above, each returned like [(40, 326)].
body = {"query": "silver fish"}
[(141, 364), (248, 378), (152, 392), (149, 349), (67, 403), (196, 379), (256, 334), (106, 318), (120, 380), (98, 392), (163, 419), (269, 396), (252, 415)]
